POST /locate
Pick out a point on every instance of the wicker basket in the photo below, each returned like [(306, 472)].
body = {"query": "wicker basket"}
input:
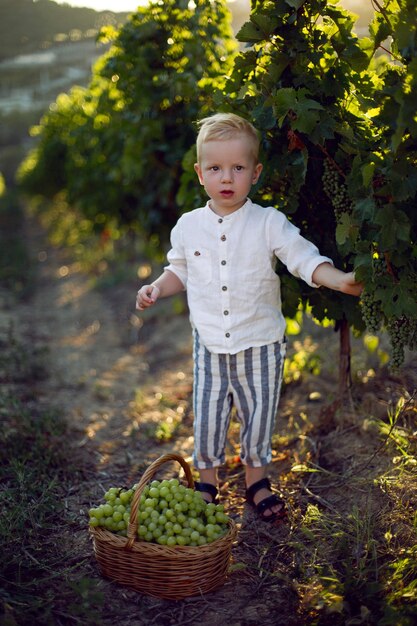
[(171, 572)]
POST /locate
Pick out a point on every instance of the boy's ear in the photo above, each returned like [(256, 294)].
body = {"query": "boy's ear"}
[(198, 170), (257, 173)]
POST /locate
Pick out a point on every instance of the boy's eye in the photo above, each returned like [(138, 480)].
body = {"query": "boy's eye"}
[(239, 168), (215, 168)]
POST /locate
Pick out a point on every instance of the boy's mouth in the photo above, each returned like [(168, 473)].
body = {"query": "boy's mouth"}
[(227, 193)]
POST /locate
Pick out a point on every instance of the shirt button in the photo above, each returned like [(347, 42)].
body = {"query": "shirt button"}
[(226, 312), (220, 220), (224, 288), (223, 262), (227, 335), (223, 237)]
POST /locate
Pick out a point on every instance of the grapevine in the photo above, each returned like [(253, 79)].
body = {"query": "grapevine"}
[(169, 514), (335, 189)]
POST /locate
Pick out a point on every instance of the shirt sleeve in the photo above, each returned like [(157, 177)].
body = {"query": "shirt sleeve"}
[(300, 256), (176, 256)]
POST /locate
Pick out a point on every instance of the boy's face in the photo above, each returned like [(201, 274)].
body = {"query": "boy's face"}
[(227, 170)]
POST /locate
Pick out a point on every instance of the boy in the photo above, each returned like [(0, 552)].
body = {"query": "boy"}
[(224, 255)]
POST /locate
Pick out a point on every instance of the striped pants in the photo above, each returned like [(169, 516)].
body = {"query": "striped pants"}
[(250, 381)]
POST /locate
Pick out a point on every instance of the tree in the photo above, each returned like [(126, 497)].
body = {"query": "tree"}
[(339, 147), (116, 147)]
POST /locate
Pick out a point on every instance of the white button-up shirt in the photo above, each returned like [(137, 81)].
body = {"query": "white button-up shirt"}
[(227, 266)]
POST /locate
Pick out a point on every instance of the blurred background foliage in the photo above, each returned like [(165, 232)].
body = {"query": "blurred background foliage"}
[(335, 111)]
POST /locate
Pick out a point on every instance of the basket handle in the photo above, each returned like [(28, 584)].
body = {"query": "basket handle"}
[(146, 477)]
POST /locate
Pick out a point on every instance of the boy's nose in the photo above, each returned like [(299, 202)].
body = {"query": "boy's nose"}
[(226, 176)]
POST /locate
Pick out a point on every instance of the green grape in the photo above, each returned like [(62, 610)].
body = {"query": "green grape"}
[(164, 491), (107, 510), (181, 541), (157, 533), (162, 540)]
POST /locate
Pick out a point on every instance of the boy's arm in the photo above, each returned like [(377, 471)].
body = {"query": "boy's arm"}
[(168, 284), (326, 275)]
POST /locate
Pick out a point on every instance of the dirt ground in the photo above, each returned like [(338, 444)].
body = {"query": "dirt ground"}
[(116, 375)]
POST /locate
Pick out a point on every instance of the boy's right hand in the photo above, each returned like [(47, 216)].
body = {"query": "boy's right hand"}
[(147, 296)]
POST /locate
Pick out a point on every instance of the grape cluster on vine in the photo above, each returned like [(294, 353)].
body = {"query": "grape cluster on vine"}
[(379, 266), (371, 311), (402, 333), (335, 189), (169, 514)]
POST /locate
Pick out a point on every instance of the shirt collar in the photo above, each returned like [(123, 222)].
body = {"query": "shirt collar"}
[(243, 209)]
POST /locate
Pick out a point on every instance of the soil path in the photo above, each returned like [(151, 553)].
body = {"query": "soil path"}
[(115, 380), (117, 377)]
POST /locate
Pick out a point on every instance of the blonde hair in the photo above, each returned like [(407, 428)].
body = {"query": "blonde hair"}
[(223, 126)]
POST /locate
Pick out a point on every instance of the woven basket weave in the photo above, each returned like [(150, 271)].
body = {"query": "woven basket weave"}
[(171, 572)]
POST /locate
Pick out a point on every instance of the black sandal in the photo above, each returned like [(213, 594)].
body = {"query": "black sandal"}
[(267, 503), (207, 488)]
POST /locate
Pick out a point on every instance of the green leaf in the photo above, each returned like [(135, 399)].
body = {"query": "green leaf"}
[(284, 101), (365, 208), (266, 23), (306, 121), (346, 229), (295, 4), (394, 225), (250, 33), (367, 173)]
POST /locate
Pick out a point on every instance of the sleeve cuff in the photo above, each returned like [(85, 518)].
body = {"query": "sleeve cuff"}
[(181, 275)]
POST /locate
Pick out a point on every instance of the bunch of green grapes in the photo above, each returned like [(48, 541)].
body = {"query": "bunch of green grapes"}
[(114, 513), (412, 339), (371, 311), (402, 333), (335, 189), (379, 266), (169, 514), (172, 514)]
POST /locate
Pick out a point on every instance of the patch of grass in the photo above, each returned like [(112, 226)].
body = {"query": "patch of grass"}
[(38, 468), (21, 362), (355, 557)]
